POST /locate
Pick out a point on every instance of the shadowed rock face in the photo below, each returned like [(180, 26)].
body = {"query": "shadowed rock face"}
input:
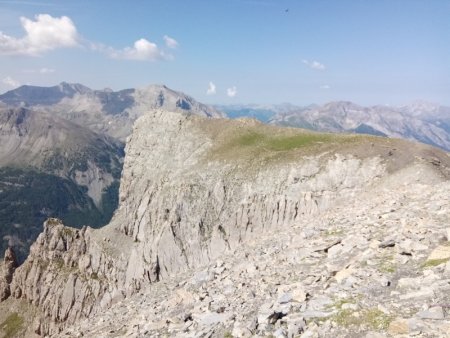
[(8, 267), (194, 189)]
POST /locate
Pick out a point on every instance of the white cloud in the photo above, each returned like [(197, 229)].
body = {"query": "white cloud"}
[(170, 42), (231, 92), (314, 64), (325, 87), (10, 82), (46, 70), (211, 89), (43, 70), (44, 34), (142, 50)]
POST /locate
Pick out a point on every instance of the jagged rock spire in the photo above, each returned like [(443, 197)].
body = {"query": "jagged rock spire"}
[(8, 267)]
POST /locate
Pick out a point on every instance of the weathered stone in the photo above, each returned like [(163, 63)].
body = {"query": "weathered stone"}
[(435, 312), (285, 298), (398, 326), (280, 333), (387, 244), (241, 332), (210, 318), (343, 274), (441, 252), (423, 293)]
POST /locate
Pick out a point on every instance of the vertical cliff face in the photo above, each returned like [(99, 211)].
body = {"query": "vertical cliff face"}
[(193, 189), (186, 198)]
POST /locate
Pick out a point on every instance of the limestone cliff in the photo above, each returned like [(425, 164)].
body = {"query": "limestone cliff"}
[(193, 189)]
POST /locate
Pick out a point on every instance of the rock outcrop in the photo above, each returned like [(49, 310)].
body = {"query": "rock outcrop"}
[(8, 266), (195, 189)]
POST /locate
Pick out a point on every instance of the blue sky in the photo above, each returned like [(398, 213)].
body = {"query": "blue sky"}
[(243, 51)]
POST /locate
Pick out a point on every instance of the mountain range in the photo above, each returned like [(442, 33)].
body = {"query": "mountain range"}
[(61, 153), (104, 111), (420, 121)]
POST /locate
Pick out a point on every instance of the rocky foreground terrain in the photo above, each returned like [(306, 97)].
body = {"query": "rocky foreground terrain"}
[(233, 228)]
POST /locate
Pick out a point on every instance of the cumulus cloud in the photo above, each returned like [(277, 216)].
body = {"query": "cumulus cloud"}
[(170, 42), (142, 50), (45, 33), (325, 86), (42, 34), (314, 64), (211, 89), (231, 92), (10, 82)]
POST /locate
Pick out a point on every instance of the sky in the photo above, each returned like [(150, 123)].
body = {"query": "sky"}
[(234, 51)]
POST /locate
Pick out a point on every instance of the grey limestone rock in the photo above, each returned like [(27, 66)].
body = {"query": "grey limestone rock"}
[(217, 226)]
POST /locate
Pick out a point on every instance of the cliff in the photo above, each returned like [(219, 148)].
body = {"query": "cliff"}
[(195, 189)]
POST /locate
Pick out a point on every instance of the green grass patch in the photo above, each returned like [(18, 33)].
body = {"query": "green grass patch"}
[(386, 264), (279, 142), (12, 325), (334, 232), (369, 318), (434, 262)]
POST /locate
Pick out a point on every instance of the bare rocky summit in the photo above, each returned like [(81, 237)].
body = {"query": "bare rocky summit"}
[(234, 228)]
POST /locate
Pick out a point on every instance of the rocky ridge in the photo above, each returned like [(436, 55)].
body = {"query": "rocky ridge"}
[(104, 111), (420, 121), (62, 153), (195, 189)]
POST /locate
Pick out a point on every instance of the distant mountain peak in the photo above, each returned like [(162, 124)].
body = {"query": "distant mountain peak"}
[(421, 106), (73, 88), (105, 111)]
